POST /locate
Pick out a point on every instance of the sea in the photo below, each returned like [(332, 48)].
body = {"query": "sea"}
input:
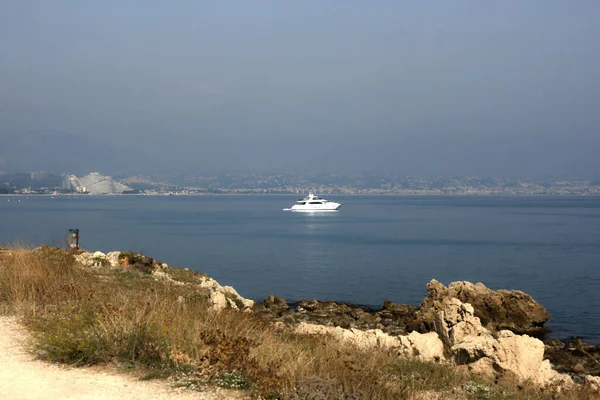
[(375, 248)]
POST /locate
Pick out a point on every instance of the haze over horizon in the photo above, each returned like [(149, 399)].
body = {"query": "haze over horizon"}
[(447, 88)]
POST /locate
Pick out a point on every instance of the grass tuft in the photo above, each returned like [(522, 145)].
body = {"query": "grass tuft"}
[(183, 275)]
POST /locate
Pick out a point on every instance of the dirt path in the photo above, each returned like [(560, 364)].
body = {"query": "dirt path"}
[(24, 378)]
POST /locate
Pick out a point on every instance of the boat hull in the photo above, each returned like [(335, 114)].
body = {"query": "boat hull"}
[(330, 206)]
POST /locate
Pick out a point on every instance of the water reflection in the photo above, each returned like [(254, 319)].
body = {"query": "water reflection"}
[(317, 252)]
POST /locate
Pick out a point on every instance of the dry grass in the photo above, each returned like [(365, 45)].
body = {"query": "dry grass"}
[(81, 317)]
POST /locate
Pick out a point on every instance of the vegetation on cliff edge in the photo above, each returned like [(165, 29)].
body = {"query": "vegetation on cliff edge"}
[(82, 316)]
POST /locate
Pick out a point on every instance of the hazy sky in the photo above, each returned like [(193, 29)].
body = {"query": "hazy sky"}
[(415, 87)]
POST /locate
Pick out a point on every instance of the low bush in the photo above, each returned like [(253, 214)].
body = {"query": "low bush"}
[(140, 262)]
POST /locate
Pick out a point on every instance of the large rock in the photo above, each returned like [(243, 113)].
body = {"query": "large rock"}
[(455, 321), (114, 258), (498, 310), (217, 300), (522, 355), (217, 293), (493, 353), (236, 301), (425, 346)]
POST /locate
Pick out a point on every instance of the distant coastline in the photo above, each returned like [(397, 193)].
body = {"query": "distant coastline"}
[(569, 195), (35, 183)]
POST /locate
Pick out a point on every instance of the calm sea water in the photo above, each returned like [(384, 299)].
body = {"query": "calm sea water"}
[(374, 249)]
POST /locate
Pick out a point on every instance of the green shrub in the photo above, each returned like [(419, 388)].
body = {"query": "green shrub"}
[(69, 338)]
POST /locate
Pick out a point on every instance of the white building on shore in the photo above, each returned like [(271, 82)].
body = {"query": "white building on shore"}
[(94, 183)]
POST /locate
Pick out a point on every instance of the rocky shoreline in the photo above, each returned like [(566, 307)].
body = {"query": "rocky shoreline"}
[(498, 310), (495, 333), (502, 310)]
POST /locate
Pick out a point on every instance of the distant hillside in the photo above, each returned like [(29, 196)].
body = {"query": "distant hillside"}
[(35, 180)]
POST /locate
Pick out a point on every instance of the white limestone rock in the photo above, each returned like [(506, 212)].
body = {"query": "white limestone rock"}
[(592, 383), (228, 290), (218, 301), (92, 260), (86, 259), (548, 377), (426, 346), (210, 283), (373, 338), (230, 293), (474, 346), (113, 259)]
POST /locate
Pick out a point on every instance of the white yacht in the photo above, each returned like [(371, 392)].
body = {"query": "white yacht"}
[(312, 203)]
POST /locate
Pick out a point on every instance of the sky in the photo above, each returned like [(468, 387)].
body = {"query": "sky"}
[(503, 88)]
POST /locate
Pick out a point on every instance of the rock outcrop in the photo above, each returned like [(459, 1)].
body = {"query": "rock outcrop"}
[(498, 310), (467, 342), (232, 299), (390, 319), (493, 313), (427, 347), (460, 338), (219, 297)]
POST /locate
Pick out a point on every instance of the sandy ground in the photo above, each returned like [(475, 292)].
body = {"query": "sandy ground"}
[(22, 377)]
